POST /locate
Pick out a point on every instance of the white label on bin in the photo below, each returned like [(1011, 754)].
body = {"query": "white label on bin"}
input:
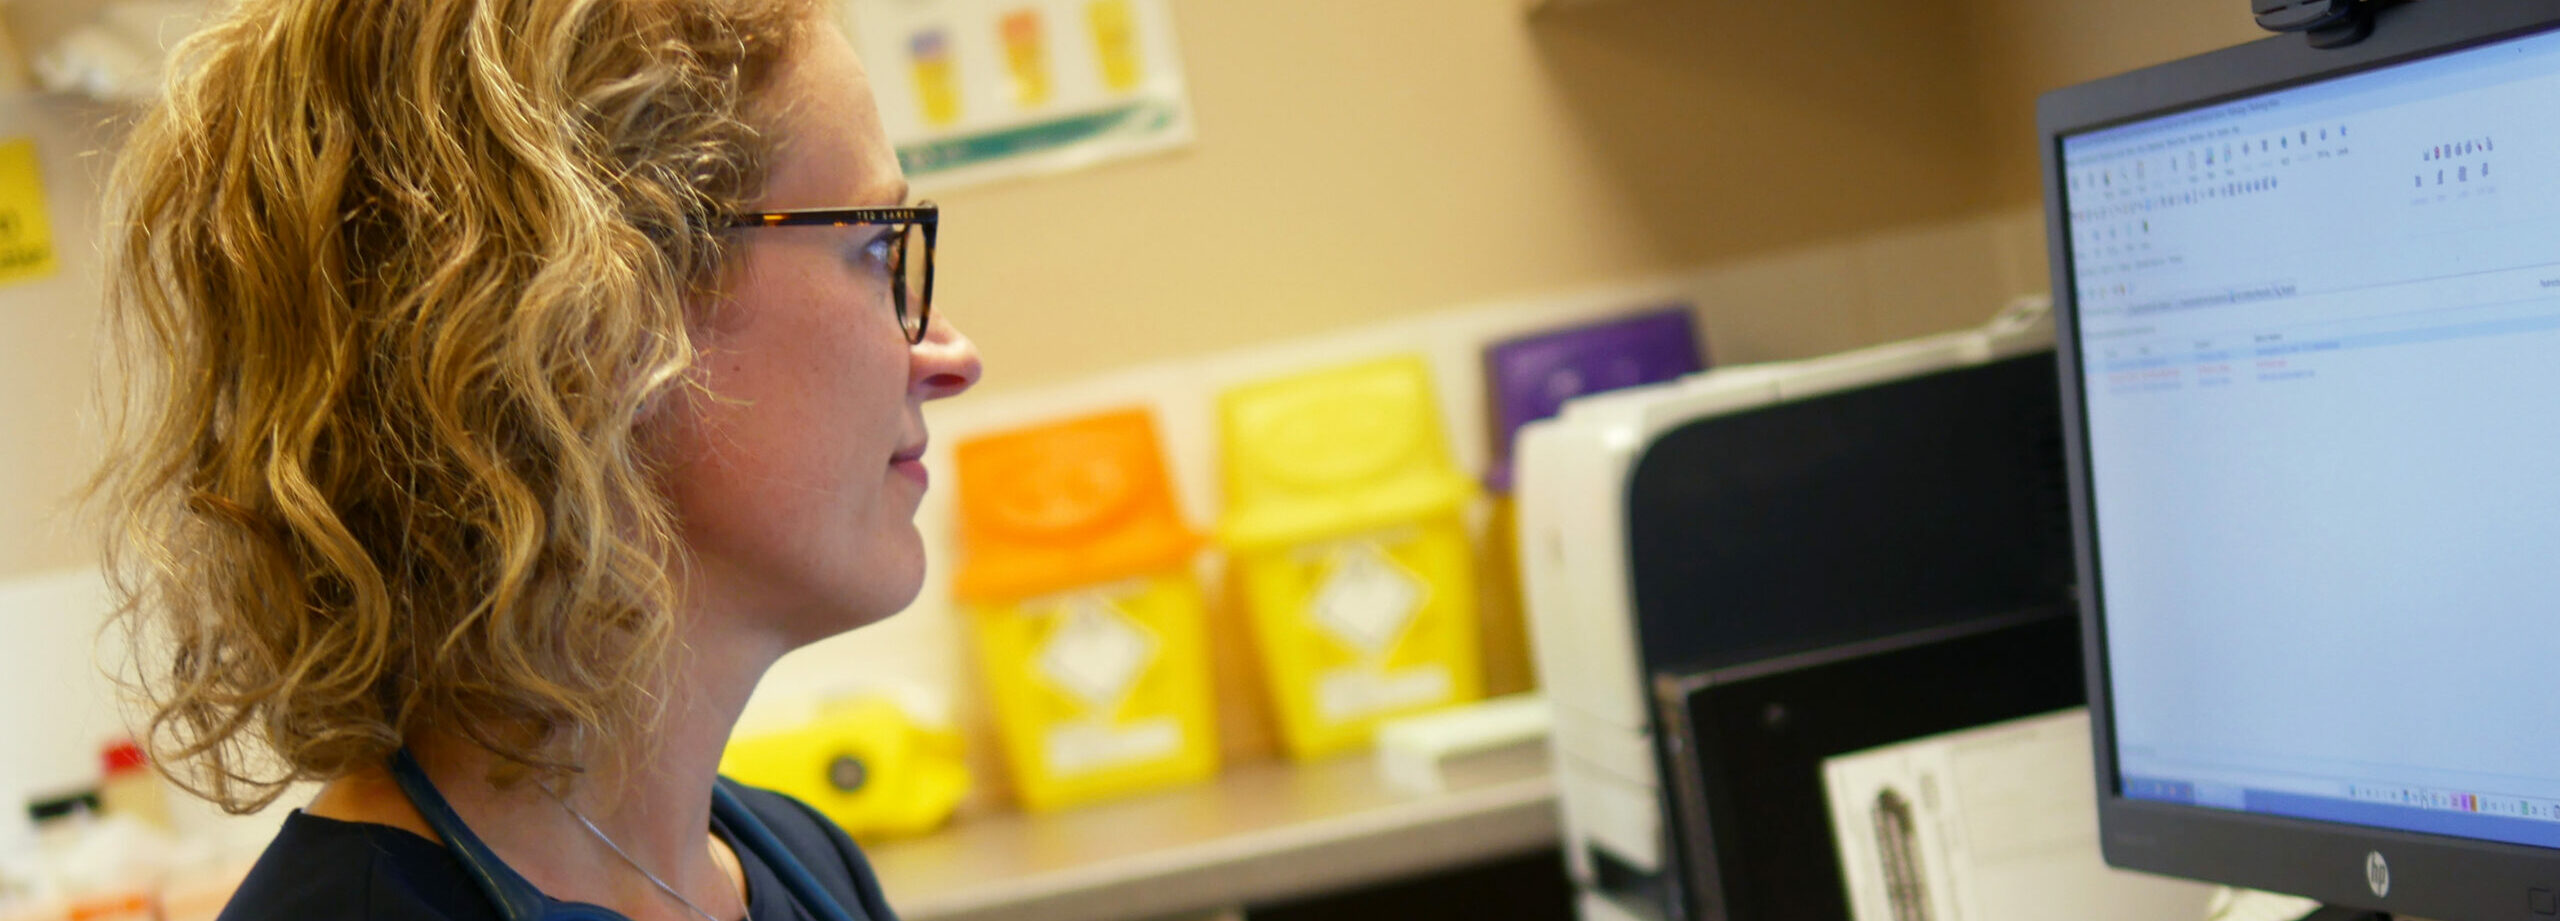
[(1097, 654), (1348, 694), (1367, 599), (1076, 748)]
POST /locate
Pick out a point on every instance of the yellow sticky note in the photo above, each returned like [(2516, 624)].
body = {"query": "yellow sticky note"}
[(26, 233)]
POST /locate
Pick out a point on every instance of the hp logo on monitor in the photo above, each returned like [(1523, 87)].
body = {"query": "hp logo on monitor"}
[(2377, 874)]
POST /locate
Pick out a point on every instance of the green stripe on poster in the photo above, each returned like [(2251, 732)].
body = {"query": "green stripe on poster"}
[(1137, 118)]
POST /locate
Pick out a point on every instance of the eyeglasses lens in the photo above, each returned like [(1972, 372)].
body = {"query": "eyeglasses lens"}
[(914, 291)]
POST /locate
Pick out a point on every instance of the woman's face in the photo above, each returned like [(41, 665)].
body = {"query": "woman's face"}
[(797, 477)]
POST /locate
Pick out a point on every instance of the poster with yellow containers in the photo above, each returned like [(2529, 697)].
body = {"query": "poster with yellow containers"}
[(976, 90)]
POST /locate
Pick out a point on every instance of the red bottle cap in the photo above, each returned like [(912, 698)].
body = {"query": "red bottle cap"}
[(124, 757)]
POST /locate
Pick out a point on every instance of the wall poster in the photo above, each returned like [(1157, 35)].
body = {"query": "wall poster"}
[(977, 90)]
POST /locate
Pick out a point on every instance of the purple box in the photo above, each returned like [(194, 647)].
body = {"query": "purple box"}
[(1532, 376)]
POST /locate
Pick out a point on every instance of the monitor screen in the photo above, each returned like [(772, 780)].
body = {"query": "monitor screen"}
[(2318, 335)]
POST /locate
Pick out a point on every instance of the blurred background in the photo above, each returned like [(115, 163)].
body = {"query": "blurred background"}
[(1412, 177)]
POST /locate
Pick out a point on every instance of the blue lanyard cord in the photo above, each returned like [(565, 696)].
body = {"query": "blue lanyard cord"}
[(516, 899), (509, 892)]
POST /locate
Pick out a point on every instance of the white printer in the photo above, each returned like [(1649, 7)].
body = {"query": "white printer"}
[(1579, 504)]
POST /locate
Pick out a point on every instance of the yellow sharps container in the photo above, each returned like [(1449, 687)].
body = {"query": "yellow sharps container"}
[(1090, 631), (1344, 523), (864, 762)]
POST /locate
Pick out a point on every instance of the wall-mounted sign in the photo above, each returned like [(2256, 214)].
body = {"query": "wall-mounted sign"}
[(974, 90), (26, 233)]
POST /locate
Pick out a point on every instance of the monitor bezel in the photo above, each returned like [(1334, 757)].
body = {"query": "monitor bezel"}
[(2430, 875)]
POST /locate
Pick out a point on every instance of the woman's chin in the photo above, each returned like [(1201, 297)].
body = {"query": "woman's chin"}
[(862, 606)]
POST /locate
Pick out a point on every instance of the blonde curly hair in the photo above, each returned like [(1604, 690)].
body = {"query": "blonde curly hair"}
[(398, 286)]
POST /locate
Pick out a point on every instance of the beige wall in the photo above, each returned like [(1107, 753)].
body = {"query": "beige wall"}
[(2026, 47), (48, 434), (1359, 160)]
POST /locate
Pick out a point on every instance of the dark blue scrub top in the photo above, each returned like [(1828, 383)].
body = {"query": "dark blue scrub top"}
[(326, 870)]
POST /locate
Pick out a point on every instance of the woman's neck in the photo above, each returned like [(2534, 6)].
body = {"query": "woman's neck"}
[(658, 811)]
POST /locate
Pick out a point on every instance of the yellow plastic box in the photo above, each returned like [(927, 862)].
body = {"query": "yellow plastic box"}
[(864, 763), (1090, 631), (1345, 527)]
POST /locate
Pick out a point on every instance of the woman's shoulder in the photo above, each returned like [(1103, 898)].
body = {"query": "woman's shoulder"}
[(320, 869), (821, 846)]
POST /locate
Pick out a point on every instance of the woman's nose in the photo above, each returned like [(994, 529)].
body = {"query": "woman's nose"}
[(945, 364)]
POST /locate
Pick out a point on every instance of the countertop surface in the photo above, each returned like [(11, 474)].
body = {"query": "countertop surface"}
[(1257, 833)]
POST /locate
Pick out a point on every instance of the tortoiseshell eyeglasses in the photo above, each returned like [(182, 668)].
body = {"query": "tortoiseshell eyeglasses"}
[(910, 278)]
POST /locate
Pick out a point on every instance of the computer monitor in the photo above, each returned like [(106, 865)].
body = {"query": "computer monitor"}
[(2310, 362)]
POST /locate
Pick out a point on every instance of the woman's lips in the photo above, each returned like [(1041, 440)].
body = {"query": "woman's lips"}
[(909, 463)]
